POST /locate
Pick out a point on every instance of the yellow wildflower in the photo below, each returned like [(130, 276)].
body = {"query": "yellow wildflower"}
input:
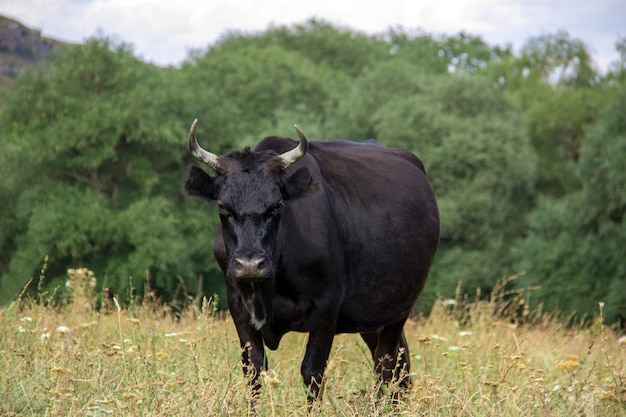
[(568, 364)]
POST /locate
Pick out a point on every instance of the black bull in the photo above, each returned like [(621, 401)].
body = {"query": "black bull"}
[(325, 238)]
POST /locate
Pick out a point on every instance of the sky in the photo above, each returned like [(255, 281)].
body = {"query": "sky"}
[(165, 31)]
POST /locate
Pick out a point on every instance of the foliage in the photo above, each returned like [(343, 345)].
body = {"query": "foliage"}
[(580, 238), (94, 173), (319, 44), (557, 126), (245, 84), (558, 57), (525, 152), (462, 53)]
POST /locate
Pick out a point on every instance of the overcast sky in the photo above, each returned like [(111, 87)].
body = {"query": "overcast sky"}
[(163, 31)]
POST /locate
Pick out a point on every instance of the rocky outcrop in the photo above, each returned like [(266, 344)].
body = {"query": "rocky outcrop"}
[(22, 47)]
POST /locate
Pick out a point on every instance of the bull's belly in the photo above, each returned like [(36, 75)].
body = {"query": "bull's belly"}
[(354, 316), (367, 322), (364, 306), (361, 313)]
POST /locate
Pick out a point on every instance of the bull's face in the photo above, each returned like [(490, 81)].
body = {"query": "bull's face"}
[(249, 188), (249, 205)]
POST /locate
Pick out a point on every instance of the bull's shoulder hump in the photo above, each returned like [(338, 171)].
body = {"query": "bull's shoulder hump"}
[(275, 143)]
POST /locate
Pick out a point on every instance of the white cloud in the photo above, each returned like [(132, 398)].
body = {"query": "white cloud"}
[(163, 31)]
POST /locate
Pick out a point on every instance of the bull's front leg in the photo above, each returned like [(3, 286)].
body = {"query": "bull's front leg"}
[(251, 342), (254, 362), (321, 334)]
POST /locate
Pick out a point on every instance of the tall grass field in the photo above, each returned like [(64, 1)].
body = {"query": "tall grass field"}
[(141, 360)]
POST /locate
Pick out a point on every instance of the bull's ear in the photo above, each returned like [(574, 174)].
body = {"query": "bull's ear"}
[(200, 184), (296, 184)]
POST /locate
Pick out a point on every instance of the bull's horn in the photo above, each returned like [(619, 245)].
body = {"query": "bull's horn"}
[(203, 156), (294, 155)]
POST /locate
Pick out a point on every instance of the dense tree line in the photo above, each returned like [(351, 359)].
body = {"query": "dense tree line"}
[(526, 153)]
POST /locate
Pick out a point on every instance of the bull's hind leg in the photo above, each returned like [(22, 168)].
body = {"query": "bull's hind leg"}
[(390, 353), (402, 368)]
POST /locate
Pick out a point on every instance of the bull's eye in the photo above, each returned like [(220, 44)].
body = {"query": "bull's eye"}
[(276, 210)]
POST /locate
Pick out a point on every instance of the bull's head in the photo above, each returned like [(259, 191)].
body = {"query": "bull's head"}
[(249, 188)]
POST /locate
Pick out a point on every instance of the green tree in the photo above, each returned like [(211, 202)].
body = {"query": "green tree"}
[(92, 162), (461, 53), (562, 96), (557, 123), (557, 57), (575, 247), (617, 71), (239, 88), (342, 50)]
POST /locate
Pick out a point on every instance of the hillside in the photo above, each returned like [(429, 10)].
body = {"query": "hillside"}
[(22, 47)]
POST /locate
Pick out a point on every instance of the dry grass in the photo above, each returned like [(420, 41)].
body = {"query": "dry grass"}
[(72, 361)]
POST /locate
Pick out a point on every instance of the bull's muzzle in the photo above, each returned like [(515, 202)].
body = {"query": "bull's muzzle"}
[(250, 268)]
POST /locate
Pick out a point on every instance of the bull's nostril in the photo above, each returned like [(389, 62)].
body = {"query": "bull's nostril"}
[(261, 264)]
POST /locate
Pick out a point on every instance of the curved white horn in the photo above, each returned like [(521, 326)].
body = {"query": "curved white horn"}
[(201, 155), (294, 155)]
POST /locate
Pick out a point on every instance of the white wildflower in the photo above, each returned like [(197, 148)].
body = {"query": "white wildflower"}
[(63, 329)]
